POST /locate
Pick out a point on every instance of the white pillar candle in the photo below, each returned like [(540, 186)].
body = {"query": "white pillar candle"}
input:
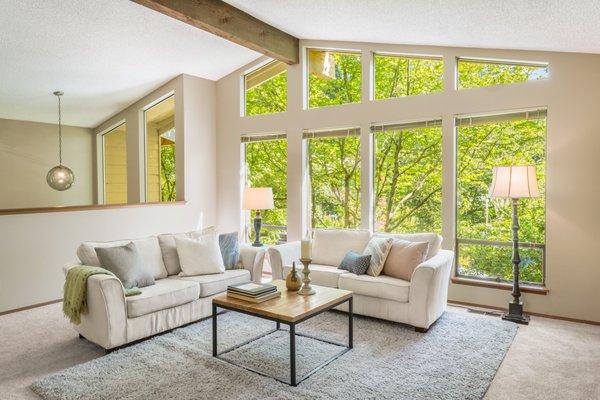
[(305, 250)]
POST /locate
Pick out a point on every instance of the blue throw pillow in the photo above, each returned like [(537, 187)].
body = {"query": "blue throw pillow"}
[(356, 263), (230, 249)]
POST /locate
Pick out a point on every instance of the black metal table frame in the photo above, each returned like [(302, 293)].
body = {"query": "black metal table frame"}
[(294, 381)]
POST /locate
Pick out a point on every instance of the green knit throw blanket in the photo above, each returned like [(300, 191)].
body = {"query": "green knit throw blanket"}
[(75, 291)]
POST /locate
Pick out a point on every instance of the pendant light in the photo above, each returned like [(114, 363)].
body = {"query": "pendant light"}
[(60, 177)]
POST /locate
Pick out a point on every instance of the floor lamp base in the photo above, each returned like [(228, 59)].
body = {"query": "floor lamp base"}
[(515, 314)]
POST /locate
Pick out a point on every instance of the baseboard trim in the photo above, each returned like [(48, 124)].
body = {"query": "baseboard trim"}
[(46, 303), (576, 320)]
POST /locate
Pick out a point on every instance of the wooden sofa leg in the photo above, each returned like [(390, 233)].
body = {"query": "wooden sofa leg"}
[(421, 330), (81, 336)]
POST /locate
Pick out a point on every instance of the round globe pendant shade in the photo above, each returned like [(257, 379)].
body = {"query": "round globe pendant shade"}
[(60, 178)]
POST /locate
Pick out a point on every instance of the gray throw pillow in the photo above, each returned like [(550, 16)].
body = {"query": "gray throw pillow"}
[(356, 263), (127, 265), (230, 249)]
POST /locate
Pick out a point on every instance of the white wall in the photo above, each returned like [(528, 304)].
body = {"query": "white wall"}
[(571, 94), (27, 152), (34, 247)]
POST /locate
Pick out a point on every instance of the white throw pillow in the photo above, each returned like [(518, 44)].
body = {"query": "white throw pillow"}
[(200, 256), (329, 246), (378, 248), (169, 250), (148, 248)]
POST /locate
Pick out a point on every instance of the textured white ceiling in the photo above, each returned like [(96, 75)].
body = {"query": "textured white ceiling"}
[(556, 25), (103, 54)]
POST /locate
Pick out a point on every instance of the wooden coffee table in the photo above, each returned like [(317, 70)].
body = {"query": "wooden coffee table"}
[(290, 309)]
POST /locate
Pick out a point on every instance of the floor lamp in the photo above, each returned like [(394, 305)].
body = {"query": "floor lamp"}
[(515, 182)]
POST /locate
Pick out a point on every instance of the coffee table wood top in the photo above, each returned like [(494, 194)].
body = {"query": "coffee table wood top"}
[(290, 307)]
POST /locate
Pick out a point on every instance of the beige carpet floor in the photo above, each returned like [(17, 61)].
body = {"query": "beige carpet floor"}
[(549, 359)]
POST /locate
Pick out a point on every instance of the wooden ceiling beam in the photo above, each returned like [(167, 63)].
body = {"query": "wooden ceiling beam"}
[(226, 21)]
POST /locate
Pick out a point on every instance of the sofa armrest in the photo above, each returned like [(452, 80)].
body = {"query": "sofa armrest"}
[(105, 322), (252, 259), (428, 295), (283, 254), (70, 265)]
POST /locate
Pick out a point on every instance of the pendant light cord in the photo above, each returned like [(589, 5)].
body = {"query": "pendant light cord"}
[(59, 132)]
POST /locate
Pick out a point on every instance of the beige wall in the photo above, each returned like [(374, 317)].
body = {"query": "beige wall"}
[(34, 247), (115, 165), (27, 152), (571, 94)]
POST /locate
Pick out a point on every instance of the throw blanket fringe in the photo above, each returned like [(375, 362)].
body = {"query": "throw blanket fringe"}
[(75, 291)]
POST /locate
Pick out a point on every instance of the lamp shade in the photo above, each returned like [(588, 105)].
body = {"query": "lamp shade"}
[(258, 198), (514, 182)]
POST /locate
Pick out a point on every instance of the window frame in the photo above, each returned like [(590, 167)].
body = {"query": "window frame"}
[(245, 214), (144, 133), (306, 74), (243, 100), (324, 133), (436, 122), (498, 61), (532, 287), (431, 57)]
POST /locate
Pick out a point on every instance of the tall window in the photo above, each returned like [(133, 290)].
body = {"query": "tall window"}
[(483, 225), (474, 73), (334, 78), (266, 89), (334, 171), (265, 165), (408, 177), (400, 76), (114, 145), (160, 151)]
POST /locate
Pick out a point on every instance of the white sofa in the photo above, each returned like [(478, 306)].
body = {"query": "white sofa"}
[(418, 302), (114, 320)]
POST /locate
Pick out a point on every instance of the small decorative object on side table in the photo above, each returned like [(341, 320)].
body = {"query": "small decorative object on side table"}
[(305, 259), (293, 281), (515, 182)]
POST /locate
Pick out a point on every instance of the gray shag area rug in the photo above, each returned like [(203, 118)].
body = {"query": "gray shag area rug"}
[(456, 359)]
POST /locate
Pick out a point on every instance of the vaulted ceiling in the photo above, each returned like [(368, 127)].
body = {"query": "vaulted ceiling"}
[(106, 54)]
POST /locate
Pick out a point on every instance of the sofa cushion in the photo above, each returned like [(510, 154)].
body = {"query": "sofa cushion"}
[(383, 287), (434, 240), (322, 275), (378, 248), (168, 248), (127, 265), (166, 293), (199, 256), (329, 246), (148, 248), (404, 257), (217, 283)]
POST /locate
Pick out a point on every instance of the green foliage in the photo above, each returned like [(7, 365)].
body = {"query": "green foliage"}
[(480, 148), (408, 180), (167, 173), (402, 76), (266, 166), (344, 89), (479, 74), (334, 167), (268, 97)]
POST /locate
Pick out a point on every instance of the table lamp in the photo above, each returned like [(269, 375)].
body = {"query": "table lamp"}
[(258, 198), (515, 182)]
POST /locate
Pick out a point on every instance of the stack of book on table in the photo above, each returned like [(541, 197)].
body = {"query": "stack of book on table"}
[(253, 292)]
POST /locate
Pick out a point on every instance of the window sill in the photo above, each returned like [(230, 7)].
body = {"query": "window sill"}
[(542, 290)]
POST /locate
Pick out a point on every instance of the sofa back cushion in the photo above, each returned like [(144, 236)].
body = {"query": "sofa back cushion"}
[(434, 240), (169, 249), (331, 245), (148, 249)]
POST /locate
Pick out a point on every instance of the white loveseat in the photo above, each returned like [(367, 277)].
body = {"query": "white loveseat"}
[(418, 302), (114, 320)]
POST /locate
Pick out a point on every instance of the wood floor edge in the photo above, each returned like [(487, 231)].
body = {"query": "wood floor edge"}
[(535, 314), (46, 303)]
